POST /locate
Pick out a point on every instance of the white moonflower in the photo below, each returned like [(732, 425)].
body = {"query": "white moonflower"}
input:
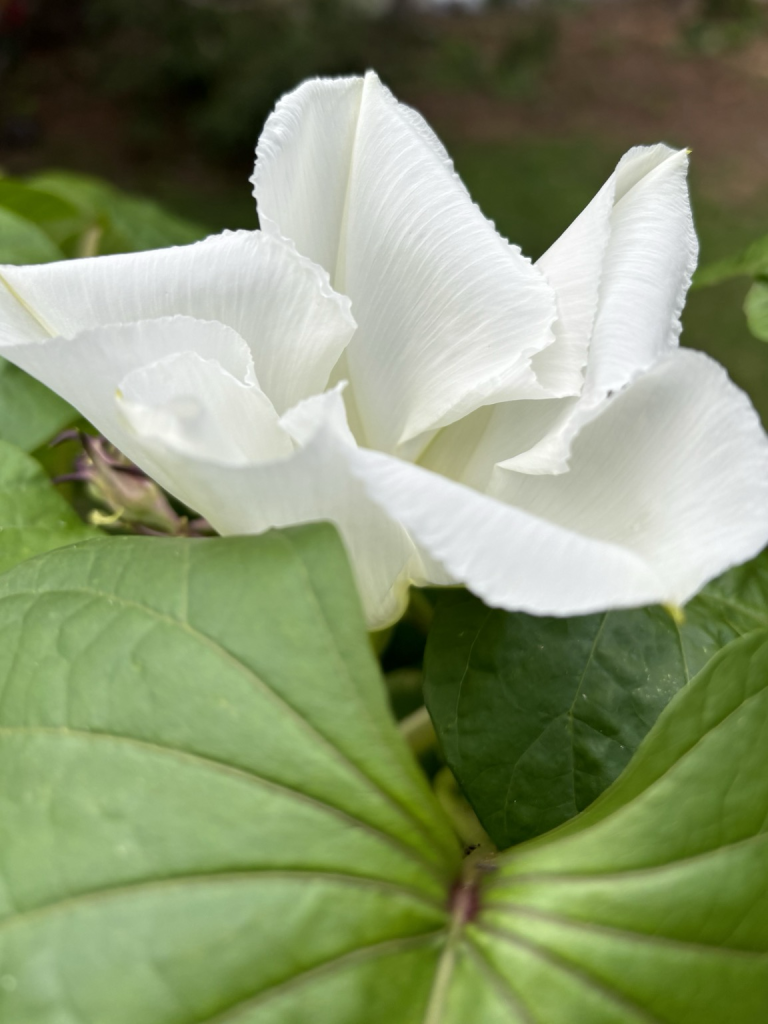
[(378, 356)]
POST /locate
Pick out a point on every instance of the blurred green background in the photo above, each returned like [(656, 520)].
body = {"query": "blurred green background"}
[(535, 101)]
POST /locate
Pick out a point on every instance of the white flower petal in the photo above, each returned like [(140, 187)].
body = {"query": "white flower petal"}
[(314, 483), (303, 162), (667, 489), (469, 450), (674, 469), (304, 420), (198, 407), (278, 301), (649, 263), (621, 273), (508, 557), (449, 314), (88, 369), (573, 266)]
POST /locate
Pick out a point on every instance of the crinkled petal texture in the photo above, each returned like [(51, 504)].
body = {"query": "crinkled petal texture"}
[(668, 486), (280, 303), (621, 272), (449, 314)]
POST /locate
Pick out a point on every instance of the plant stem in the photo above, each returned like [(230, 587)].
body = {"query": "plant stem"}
[(418, 731)]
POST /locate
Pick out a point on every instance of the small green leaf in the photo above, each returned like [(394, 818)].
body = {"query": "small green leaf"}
[(753, 262), (205, 807), (30, 414), (23, 241), (129, 223), (537, 716), (652, 905), (756, 309), (33, 517), (34, 204)]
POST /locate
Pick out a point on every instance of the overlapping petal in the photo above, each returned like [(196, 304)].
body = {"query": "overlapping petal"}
[(278, 301), (508, 557), (449, 314), (667, 488), (179, 397), (621, 272), (195, 405), (468, 451), (313, 483), (101, 370)]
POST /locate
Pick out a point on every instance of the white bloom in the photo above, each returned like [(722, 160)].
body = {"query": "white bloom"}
[(533, 432)]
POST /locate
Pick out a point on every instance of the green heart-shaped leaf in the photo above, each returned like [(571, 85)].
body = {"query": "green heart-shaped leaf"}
[(537, 716), (33, 517), (207, 815)]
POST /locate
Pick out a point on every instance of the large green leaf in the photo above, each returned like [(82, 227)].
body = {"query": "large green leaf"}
[(206, 814), (653, 905), (61, 221), (33, 517), (205, 806), (537, 716)]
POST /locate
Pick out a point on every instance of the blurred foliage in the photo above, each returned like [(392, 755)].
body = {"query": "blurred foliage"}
[(509, 61), (58, 214), (718, 9), (211, 70), (221, 69), (752, 263), (724, 25)]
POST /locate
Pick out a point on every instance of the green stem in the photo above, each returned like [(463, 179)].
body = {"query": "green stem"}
[(420, 612), (464, 908), (445, 967), (418, 731)]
